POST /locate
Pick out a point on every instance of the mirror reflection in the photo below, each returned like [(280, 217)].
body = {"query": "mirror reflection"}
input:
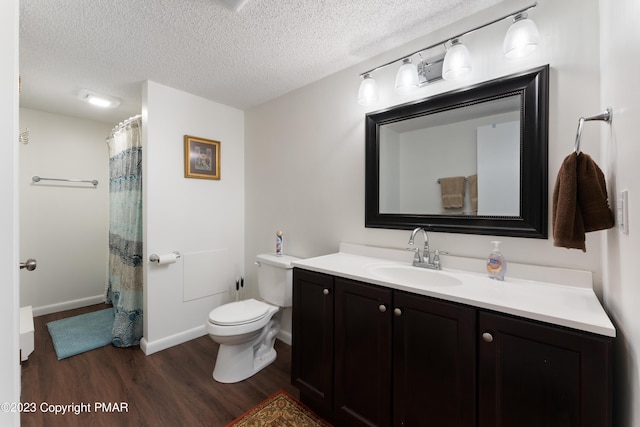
[(464, 161)]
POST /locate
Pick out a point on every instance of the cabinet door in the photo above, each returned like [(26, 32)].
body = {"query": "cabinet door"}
[(363, 354), (312, 340), (539, 375), (434, 362)]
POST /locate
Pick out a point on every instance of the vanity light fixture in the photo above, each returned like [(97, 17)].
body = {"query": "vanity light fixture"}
[(457, 61), (98, 99), (407, 77), (368, 92), (521, 39)]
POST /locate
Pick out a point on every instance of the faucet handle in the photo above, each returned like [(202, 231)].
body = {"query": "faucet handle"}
[(436, 256), (416, 254), (437, 253)]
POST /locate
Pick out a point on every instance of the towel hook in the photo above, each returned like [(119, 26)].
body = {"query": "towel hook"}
[(606, 116)]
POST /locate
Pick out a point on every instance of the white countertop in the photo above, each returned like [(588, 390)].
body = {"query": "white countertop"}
[(575, 307)]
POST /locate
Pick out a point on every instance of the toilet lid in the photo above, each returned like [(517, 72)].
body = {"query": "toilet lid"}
[(239, 312)]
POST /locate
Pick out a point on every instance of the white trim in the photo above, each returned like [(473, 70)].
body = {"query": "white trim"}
[(164, 343), (67, 305), (284, 336)]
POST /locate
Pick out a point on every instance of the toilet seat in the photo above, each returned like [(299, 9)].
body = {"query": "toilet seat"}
[(239, 312)]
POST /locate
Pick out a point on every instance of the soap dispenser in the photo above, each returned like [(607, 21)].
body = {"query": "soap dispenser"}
[(496, 264)]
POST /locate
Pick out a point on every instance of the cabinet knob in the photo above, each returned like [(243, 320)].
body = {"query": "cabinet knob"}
[(487, 337), (325, 291), (382, 308), (397, 312)]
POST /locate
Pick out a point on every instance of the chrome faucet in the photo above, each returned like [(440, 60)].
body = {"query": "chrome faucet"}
[(419, 258), (424, 260)]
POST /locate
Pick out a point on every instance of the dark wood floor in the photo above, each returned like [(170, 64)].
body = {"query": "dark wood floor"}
[(173, 387)]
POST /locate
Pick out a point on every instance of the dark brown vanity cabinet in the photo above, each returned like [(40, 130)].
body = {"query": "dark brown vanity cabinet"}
[(397, 358), (434, 362), (365, 355), (533, 374), (312, 339)]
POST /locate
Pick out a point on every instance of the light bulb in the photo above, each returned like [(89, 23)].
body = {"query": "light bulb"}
[(368, 92), (457, 61), (407, 77), (522, 38)]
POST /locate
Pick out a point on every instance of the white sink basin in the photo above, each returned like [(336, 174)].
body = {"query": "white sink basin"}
[(413, 276)]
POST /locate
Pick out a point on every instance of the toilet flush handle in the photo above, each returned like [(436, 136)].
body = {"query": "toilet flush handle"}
[(257, 263)]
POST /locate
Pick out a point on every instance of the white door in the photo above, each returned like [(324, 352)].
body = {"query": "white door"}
[(9, 284)]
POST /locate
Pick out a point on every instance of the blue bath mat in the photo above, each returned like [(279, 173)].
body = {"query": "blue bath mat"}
[(77, 334)]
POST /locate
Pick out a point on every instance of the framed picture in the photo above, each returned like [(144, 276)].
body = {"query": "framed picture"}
[(201, 158)]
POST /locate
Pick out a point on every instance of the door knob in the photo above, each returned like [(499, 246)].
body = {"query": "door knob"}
[(30, 265)]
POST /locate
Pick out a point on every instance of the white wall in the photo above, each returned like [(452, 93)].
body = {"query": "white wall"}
[(9, 308), (64, 226), (305, 150), (620, 62), (187, 215)]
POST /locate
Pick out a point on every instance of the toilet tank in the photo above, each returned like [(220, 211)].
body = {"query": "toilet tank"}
[(275, 278)]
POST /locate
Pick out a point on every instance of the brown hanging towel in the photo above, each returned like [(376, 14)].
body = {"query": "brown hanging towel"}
[(579, 202)]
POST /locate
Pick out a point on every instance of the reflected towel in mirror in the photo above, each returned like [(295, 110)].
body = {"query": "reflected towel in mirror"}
[(452, 190)]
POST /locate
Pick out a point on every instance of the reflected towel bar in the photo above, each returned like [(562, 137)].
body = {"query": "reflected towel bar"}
[(38, 179), (465, 179), (604, 117)]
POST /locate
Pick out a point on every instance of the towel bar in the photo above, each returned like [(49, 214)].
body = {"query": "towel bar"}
[(38, 179), (606, 116), (465, 179)]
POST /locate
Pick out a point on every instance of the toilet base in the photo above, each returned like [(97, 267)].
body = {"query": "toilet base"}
[(236, 363)]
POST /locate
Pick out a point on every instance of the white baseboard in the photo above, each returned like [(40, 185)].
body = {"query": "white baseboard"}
[(285, 337), (67, 305), (170, 341), (164, 343)]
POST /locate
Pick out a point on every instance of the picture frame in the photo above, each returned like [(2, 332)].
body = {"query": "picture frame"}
[(201, 158)]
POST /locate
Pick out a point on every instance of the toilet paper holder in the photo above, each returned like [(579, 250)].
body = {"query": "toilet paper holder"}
[(156, 258)]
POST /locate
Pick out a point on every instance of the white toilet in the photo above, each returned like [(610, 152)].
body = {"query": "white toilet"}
[(246, 330)]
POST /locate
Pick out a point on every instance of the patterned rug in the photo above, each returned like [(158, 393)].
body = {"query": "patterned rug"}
[(279, 410)]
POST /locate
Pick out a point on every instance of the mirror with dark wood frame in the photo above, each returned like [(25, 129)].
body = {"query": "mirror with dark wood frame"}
[(473, 160)]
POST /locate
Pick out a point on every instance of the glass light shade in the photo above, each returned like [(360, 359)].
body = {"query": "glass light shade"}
[(457, 62), (522, 38), (368, 92), (407, 77)]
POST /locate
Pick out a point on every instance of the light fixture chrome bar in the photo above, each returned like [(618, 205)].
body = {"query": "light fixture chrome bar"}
[(38, 179), (512, 14)]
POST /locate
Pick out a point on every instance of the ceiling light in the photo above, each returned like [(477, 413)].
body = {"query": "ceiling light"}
[(368, 92), (407, 77), (98, 99), (457, 61), (522, 38)]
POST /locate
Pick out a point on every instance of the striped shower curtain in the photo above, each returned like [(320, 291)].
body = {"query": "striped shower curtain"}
[(124, 289)]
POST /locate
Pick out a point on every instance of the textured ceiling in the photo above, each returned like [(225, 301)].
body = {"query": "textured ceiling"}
[(241, 59)]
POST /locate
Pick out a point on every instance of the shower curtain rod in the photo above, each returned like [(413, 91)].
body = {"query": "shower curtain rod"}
[(124, 123)]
